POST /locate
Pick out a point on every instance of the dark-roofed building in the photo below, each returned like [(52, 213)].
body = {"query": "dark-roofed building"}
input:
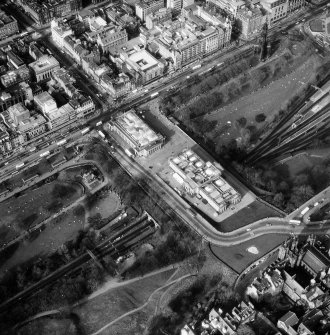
[(314, 261), (14, 60), (8, 25), (287, 321), (34, 51), (43, 11)]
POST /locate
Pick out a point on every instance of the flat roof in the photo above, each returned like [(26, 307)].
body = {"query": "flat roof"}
[(44, 98), (195, 168), (143, 59), (44, 62), (137, 129)]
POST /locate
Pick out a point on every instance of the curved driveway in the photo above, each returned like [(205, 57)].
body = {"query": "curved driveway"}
[(204, 228)]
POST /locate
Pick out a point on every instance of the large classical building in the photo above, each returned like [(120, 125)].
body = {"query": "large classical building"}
[(43, 67), (136, 133), (26, 124), (44, 11), (8, 25), (203, 179), (145, 7)]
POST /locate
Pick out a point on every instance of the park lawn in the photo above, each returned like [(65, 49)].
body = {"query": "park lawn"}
[(57, 231), (268, 101), (102, 309), (106, 206), (255, 211), (317, 25), (238, 258), (32, 207), (49, 326)]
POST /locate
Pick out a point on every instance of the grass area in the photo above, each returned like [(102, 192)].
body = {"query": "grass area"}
[(254, 95), (255, 211), (21, 212), (96, 313), (268, 101), (49, 326), (238, 258), (63, 228), (317, 25), (106, 206)]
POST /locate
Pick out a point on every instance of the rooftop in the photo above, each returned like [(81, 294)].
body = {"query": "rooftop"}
[(316, 260), (61, 112), (5, 19), (43, 63), (137, 129), (196, 169), (45, 100), (32, 122), (143, 59)]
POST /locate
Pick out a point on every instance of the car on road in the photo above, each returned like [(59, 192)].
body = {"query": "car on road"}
[(248, 229)]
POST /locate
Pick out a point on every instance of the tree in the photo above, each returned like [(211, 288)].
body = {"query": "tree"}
[(95, 221), (79, 210), (245, 329), (301, 179), (240, 123), (260, 117), (278, 199), (301, 194)]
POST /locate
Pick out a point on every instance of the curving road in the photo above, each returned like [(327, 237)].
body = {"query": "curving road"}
[(265, 226)]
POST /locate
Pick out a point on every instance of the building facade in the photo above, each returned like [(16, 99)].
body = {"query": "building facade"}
[(276, 9), (15, 76), (111, 36), (230, 6), (26, 124), (175, 5), (8, 25), (143, 8), (60, 31), (142, 66), (43, 11), (199, 31), (252, 21), (295, 5), (152, 19)]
